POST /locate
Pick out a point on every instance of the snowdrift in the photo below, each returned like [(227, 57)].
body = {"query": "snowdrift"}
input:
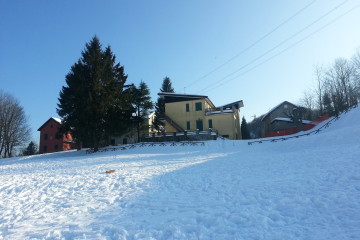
[(305, 188)]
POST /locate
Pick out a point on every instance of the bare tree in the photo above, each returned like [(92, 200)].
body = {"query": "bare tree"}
[(336, 88), (356, 77), (14, 129), (308, 102), (319, 88), (340, 85)]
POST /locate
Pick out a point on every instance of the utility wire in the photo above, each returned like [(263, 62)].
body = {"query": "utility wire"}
[(253, 44), (280, 44), (284, 50)]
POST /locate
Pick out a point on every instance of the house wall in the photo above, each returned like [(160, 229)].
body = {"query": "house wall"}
[(124, 139), (281, 125), (282, 111), (177, 112), (49, 142), (227, 124)]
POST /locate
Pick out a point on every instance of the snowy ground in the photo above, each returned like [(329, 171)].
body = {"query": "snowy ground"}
[(306, 188)]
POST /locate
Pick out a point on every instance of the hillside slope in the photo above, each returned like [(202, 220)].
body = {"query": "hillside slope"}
[(306, 188)]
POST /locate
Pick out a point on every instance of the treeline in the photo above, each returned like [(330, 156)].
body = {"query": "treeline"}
[(336, 88), (97, 103)]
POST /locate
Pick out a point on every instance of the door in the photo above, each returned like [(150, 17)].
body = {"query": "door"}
[(199, 125)]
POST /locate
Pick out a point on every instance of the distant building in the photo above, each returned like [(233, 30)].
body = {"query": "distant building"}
[(50, 140), (282, 117), (197, 113), (131, 136)]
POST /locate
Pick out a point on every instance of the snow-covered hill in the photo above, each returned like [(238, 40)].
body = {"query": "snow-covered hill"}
[(306, 188)]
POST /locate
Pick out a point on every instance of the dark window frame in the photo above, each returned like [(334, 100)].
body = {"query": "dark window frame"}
[(210, 123), (188, 125), (198, 106)]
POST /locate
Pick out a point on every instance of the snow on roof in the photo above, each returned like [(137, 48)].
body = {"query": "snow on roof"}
[(54, 118), (220, 112), (289, 120), (57, 119)]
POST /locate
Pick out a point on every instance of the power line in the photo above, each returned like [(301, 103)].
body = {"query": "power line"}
[(284, 50), (280, 44), (253, 44)]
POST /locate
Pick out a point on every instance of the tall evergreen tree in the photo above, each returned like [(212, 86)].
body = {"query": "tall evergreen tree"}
[(142, 104), (93, 105), (160, 104), (245, 133), (167, 86)]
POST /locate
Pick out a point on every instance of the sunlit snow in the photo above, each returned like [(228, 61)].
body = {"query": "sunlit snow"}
[(305, 188)]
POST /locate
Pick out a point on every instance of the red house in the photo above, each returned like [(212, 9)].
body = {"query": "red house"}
[(50, 141)]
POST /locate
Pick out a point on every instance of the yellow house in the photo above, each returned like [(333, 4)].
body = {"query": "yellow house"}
[(197, 112)]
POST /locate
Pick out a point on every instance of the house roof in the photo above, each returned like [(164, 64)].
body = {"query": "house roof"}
[(237, 104), (277, 106), (176, 97), (58, 120)]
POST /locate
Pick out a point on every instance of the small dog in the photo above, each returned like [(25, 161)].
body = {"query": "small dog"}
[(110, 171)]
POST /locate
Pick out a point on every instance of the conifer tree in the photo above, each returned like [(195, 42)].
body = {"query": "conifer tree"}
[(31, 149), (167, 86), (142, 104), (244, 129), (160, 104), (93, 104)]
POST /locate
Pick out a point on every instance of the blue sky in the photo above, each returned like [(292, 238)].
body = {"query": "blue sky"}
[(184, 40)]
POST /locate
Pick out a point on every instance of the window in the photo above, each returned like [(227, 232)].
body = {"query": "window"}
[(112, 142), (56, 148), (198, 106), (210, 123), (124, 140), (188, 125), (199, 125), (46, 137), (45, 149), (187, 107)]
